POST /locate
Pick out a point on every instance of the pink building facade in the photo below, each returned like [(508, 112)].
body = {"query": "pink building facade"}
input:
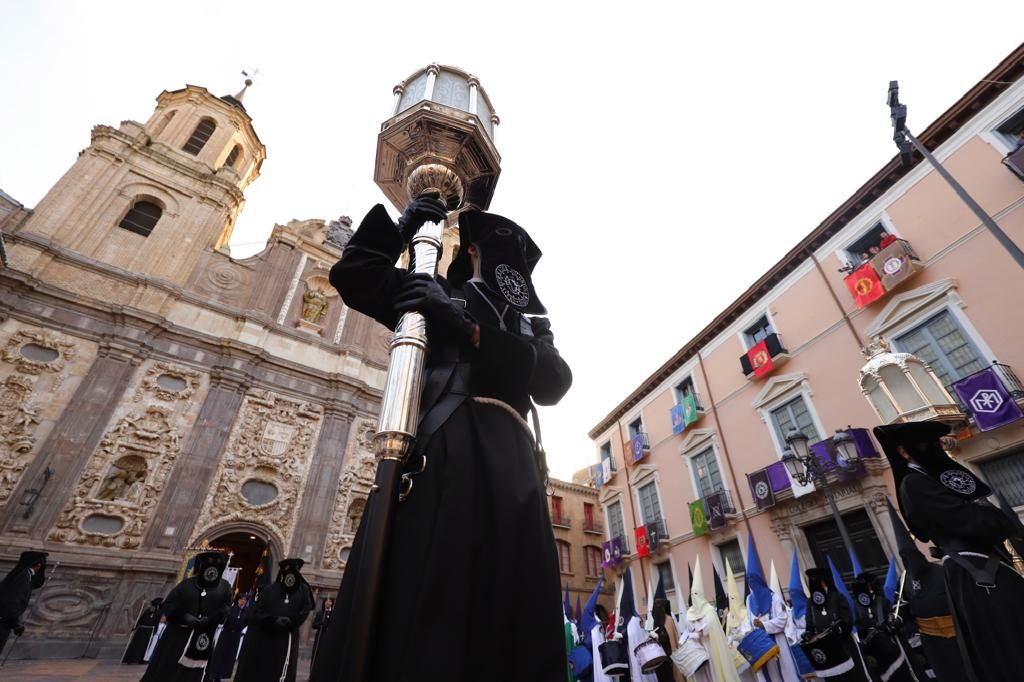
[(947, 292)]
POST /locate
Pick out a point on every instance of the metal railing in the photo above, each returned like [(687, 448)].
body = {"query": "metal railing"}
[(560, 519), (592, 526)]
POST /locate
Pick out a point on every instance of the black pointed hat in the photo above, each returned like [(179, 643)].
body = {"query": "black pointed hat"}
[(815, 576), (31, 557), (210, 566), (721, 598), (507, 259), (290, 573), (295, 564)]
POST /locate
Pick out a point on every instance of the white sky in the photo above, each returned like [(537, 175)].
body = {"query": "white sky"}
[(663, 154)]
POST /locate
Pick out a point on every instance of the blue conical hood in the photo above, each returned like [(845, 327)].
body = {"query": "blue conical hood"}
[(760, 593), (796, 589)]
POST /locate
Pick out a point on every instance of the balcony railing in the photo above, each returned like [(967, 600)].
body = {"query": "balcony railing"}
[(656, 528), (592, 526), (1015, 162), (775, 348), (560, 519)]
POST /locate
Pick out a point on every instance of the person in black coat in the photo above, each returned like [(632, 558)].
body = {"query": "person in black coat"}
[(194, 609), (945, 503), (16, 590), (226, 651), (885, 657), (474, 535), (321, 622), (828, 640), (270, 652), (145, 626)]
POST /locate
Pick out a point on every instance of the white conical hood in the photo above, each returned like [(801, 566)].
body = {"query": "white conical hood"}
[(737, 609), (773, 580)]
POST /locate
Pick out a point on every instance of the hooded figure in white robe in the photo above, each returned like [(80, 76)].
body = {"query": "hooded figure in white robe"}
[(773, 620), (703, 623)]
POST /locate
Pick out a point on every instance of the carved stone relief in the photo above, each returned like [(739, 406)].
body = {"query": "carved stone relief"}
[(260, 478), (34, 363), (126, 475), (353, 488)]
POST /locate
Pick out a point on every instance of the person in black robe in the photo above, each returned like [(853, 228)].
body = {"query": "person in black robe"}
[(885, 657), (944, 503), (321, 622), (194, 609), (270, 652), (16, 590), (226, 651), (828, 640), (145, 626), (928, 606), (474, 535)]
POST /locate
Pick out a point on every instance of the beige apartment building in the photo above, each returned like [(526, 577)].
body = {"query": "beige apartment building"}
[(578, 526), (902, 262)]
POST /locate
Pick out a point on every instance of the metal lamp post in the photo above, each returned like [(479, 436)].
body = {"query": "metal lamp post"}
[(904, 140), (805, 468)]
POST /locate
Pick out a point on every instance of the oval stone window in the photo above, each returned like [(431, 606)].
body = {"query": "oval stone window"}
[(37, 353), (343, 554), (258, 493), (102, 524), (169, 382)]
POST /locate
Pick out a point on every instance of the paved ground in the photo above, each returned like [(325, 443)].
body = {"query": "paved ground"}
[(84, 669)]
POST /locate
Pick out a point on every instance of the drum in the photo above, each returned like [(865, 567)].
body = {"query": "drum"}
[(650, 654), (614, 659), (827, 655), (689, 657), (581, 660), (758, 647)]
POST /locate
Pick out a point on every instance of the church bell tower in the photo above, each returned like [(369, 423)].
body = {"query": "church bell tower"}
[(150, 198)]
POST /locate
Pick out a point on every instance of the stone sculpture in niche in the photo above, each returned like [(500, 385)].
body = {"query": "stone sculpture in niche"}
[(314, 306), (125, 479)]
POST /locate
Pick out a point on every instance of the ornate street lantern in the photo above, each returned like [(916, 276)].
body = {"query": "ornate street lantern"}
[(902, 388)]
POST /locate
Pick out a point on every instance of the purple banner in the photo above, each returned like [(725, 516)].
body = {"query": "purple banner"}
[(638, 447), (825, 451), (778, 477), (988, 400), (617, 551), (865, 446), (716, 514), (606, 554), (761, 487)]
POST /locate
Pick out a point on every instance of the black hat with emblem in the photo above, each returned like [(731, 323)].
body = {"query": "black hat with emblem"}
[(507, 259), (210, 566), (290, 575)]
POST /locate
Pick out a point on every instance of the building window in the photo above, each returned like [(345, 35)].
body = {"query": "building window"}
[(665, 573), (868, 245), (141, 218), (558, 516), (706, 472), (564, 561), (1012, 131), (588, 516), (606, 451), (794, 415), (758, 332), (650, 509), (616, 529), (731, 555), (593, 557), (636, 426), (944, 345), (1006, 473), (200, 136), (684, 388), (233, 156)]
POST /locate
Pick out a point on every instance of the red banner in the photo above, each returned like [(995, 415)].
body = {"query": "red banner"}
[(760, 360), (641, 542), (864, 286)]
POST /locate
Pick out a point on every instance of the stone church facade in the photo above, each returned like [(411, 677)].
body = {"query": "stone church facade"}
[(157, 394)]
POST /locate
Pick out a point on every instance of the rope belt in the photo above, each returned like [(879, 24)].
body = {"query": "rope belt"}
[(511, 410), (937, 626)]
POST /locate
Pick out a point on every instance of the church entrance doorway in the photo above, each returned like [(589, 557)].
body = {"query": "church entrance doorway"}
[(251, 555)]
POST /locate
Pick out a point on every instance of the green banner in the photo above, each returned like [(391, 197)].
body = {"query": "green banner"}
[(698, 517), (689, 404)]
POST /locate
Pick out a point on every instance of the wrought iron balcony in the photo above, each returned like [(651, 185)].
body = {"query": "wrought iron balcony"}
[(657, 526), (1015, 162), (592, 526), (778, 352), (560, 519)]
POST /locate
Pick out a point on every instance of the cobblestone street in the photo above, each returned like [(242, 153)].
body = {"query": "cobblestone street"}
[(85, 669)]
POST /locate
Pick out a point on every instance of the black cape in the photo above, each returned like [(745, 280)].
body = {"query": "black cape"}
[(267, 647), (185, 600), (145, 626), (885, 657), (321, 623), (15, 592), (988, 620), (471, 573), (222, 665), (927, 598), (835, 611)]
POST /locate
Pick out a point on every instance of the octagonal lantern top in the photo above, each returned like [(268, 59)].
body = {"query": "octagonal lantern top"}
[(450, 86)]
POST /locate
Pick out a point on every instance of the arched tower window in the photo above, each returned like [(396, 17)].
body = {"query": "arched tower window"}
[(200, 137), (141, 218), (233, 156)]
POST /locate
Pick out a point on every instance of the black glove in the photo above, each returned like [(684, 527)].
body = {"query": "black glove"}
[(18, 629), (422, 293), (189, 620), (283, 622), (426, 207), (201, 621)]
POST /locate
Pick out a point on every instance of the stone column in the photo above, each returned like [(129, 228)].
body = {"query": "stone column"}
[(188, 484), (312, 524), (74, 437)]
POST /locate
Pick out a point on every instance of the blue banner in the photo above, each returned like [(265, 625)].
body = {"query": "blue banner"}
[(678, 419)]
